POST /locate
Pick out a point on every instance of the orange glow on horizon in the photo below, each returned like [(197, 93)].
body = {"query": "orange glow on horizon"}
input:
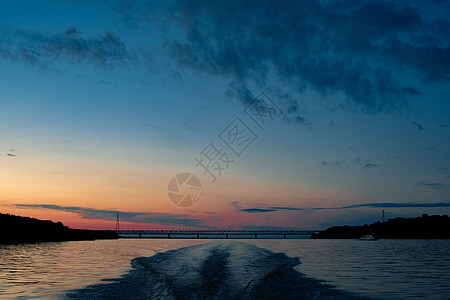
[(104, 187)]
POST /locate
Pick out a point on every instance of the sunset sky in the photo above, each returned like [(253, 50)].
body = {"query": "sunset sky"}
[(103, 102)]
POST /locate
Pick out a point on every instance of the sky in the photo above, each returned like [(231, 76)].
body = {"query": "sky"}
[(256, 114)]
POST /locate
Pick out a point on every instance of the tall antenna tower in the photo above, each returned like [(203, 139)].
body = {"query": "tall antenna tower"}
[(117, 222), (383, 219)]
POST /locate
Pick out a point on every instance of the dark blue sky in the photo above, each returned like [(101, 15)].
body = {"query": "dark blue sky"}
[(102, 102)]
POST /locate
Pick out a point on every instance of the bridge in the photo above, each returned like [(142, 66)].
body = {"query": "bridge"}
[(225, 234)]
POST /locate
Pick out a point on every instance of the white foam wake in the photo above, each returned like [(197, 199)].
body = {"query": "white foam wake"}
[(232, 270)]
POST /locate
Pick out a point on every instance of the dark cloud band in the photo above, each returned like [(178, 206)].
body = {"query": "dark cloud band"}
[(309, 209), (137, 217)]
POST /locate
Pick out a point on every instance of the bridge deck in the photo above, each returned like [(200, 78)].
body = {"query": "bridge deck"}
[(217, 233)]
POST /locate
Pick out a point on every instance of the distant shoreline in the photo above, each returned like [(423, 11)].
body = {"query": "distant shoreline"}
[(424, 227), (20, 230)]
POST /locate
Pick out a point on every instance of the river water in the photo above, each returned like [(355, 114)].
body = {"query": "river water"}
[(226, 269)]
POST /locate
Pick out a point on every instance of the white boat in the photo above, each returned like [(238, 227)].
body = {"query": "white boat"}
[(368, 237)]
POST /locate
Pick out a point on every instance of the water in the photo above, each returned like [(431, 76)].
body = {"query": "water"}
[(223, 269)]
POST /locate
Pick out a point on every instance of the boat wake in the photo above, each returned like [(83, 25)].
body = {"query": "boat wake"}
[(232, 270)]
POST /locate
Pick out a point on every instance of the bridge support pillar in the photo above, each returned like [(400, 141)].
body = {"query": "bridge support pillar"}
[(168, 235), (226, 236), (256, 236), (198, 235), (285, 235)]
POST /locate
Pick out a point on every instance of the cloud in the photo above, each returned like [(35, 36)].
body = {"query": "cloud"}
[(370, 165), (433, 185), (356, 51), (367, 164), (400, 205), (357, 48), (188, 124), (138, 217), (36, 48), (252, 210), (331, 163), (11, 153), (256, 210), (309, 209), (418, 125)]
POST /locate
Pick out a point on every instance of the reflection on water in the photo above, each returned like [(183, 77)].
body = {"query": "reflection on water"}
[(48, 270), (382, 269), (385, 269)]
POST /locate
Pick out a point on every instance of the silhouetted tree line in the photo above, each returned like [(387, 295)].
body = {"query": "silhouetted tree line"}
[(16, 229), (425, 227)]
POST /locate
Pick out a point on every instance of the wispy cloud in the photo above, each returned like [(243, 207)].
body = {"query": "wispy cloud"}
[(267, 209), (331, 163), (418, 125), (433, 185), (188, 124), (138, 217), (39, 49), (367, 164), (370, 165)]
